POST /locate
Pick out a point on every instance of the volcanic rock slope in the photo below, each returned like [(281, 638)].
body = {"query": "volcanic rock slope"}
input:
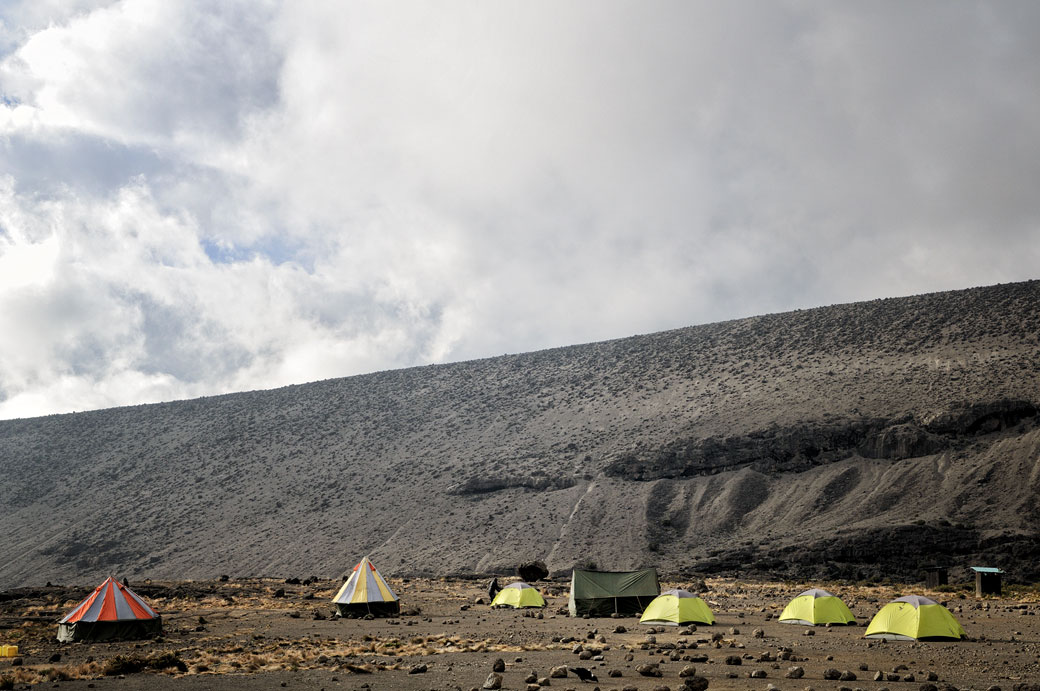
[(850, 441)]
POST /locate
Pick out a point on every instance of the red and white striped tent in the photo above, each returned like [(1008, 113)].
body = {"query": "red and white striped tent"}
[(111, 611)]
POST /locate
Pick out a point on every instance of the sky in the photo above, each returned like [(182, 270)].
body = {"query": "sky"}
[(199, 198)]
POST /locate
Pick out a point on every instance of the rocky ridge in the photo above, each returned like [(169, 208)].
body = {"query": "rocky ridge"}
[(853, 441)]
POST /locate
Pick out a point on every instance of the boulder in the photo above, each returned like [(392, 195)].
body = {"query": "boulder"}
[(532, 571)]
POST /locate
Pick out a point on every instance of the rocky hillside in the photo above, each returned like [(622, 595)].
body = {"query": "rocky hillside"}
[(855, 441)]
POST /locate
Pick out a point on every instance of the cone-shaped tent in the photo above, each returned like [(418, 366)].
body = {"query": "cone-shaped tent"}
[(676, 607), (111, 611), (366, 592), (913, 618), (816, 606), (518, 594)]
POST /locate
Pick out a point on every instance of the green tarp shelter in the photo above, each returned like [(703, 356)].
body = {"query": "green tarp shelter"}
[(602, 593)]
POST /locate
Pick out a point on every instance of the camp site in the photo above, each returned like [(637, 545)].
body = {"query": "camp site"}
[(631, 629)]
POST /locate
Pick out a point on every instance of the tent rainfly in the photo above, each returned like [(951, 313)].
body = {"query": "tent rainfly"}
[(602, 593), (366, 592), (914, 618), (816, 606), (112, 611), (518, 595), (677, 607)]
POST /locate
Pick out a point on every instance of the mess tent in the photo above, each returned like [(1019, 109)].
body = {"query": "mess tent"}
[(366, 592), (914, 618), (816, 607), (602, 593), (112, 611), (676, 608), (518, 595)]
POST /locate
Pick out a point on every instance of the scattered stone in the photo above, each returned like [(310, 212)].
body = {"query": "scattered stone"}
[(809, 632), (499, 665), (879, 676), (928, 687), (733, 660), (932, 676), (531, 678), (795, 672), (620, 629), (687, 671), (831, 674), (649, 670), (757, 674), (693, 684), (734, 631), (847, 676), (494, 681), (418, 669), (558, 672), (758, 633), (615, 673)]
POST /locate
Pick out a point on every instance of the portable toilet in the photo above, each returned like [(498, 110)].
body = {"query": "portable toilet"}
[(987, 580)]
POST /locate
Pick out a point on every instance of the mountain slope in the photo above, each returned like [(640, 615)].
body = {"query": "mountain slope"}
[(849, 441)]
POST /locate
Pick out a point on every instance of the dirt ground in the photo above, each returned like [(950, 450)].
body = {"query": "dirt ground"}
[(240, 634)]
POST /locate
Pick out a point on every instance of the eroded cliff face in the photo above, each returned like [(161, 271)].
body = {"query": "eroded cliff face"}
[(801, 446), (852, 438)]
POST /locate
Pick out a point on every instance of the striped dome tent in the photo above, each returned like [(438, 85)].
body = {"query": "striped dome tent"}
[(111, 611), (366, 592)]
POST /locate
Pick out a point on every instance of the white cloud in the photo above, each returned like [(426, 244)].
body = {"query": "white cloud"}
[(204, 198)]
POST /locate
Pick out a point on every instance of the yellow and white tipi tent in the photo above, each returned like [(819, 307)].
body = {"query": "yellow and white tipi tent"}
[(366, 592)]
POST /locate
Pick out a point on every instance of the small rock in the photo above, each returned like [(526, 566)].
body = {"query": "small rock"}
[(649, 670), (494, 681), (758, 633), (531, 678), (693, 684), (733, 660), (533, 687), (418, 669), (809, 632), (558, 672), (847, 676), (927, 687), (795, 672), (617, 673), (620, 629), (879, 676), (499, 665), (932, 676), (831, 674), (757, 674), (687, 671)]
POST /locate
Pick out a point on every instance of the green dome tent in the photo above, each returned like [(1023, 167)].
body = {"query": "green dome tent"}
[(914, 618), (518, 595), (816, 606), (677, 607)]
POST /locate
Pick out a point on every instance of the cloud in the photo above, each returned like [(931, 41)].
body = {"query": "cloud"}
[(200, 199)]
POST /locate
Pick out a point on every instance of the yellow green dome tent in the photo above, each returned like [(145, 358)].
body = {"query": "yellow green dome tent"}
[(914, 618), (676, 607), (816, 606), (366, 592), (518, 594)]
